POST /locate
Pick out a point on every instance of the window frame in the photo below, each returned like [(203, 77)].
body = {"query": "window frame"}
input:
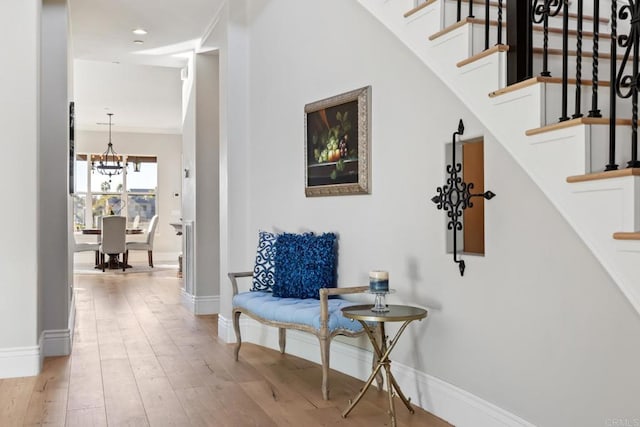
[(123, 194)]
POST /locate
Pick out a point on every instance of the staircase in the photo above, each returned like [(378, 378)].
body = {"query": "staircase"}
[(567, 159)]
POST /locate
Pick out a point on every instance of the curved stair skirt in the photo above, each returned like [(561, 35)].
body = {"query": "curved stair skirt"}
[(594, 209), (445, 400)]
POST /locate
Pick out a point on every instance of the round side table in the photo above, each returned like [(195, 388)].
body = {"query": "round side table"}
[(396, 313)]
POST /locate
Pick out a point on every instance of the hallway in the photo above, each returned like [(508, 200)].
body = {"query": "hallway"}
[(139, 358)]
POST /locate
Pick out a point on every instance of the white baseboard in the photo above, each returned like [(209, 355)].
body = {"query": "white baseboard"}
[(225, 330), (209, 304), (72, 317), (442, 399), (56, 342), (20, 362)]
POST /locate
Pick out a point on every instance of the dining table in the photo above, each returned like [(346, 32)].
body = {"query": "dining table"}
[(112, 263)]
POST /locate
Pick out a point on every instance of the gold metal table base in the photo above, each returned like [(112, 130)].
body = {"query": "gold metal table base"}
[(382, 351)]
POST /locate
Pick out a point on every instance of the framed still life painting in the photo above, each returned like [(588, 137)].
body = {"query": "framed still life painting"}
[(337, 144)]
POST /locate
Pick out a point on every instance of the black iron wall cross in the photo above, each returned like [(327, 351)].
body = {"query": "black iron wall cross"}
[(455, 197)]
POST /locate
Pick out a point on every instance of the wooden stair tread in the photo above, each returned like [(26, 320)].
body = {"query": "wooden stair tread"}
[(542, 79), (450, 28), (577, 122), (462, 23), (623, 235), (419, 8), (604, 175), (483, 54)]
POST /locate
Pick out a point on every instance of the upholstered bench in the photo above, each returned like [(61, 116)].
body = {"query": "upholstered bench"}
[(321, 317)]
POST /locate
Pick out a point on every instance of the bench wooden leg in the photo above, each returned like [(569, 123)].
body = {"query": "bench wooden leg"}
[(236, 328), (282, 339), (324, 357)]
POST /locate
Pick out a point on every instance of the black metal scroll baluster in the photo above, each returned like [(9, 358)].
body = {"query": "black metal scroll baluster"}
[(595, 111), (612, 95), (565, 59), (459, 11), (487, 23), (635, 85), (455, 197), (471, 9), (499, 40), (626, 85), (542, 10), (578, 112)]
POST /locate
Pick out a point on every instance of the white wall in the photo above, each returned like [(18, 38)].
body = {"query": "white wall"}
[(201, 153), (229, 37), (535, 327), (207, 174), (54, 292), (19, 112), (167, 148)]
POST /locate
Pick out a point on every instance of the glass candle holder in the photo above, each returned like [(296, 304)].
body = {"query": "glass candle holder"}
[(380, 305)]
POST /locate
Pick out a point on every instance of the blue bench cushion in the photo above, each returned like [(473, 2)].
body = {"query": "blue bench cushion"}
[(294, 310)]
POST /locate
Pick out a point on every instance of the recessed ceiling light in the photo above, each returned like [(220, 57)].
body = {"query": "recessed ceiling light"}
[(138, 41), (140, 31)]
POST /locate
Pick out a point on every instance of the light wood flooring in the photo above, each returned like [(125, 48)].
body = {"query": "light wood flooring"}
[(139, 358)]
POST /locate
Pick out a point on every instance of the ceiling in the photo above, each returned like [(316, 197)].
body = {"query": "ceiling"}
[(139, 83)]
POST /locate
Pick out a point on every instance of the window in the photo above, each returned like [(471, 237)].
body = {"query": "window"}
[(129, 194), (141, 188)]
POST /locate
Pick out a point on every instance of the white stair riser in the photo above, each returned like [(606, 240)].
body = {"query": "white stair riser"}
[(553, 106)]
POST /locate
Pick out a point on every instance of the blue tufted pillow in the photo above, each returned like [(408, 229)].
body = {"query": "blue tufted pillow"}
[(264, 270), (304, 264)]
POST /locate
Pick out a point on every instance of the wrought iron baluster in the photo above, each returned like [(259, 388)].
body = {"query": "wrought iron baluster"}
[(565, 59), (595, 111), (628, 85), (471, 9), (613, 91), (487, 23), (541, 11), (499, 39), (577, 113), (635, 83), (459, 11)]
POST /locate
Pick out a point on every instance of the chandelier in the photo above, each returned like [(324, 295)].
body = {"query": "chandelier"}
[(109, 162)]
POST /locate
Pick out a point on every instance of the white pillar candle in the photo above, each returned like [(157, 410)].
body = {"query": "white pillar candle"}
[(379, 281)]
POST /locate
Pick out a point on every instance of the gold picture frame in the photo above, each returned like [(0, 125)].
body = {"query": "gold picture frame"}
[(337, 144)]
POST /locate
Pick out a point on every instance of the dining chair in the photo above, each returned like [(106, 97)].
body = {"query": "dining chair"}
[(146, 245), (136, 222), (114, 239), (87, 247)]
